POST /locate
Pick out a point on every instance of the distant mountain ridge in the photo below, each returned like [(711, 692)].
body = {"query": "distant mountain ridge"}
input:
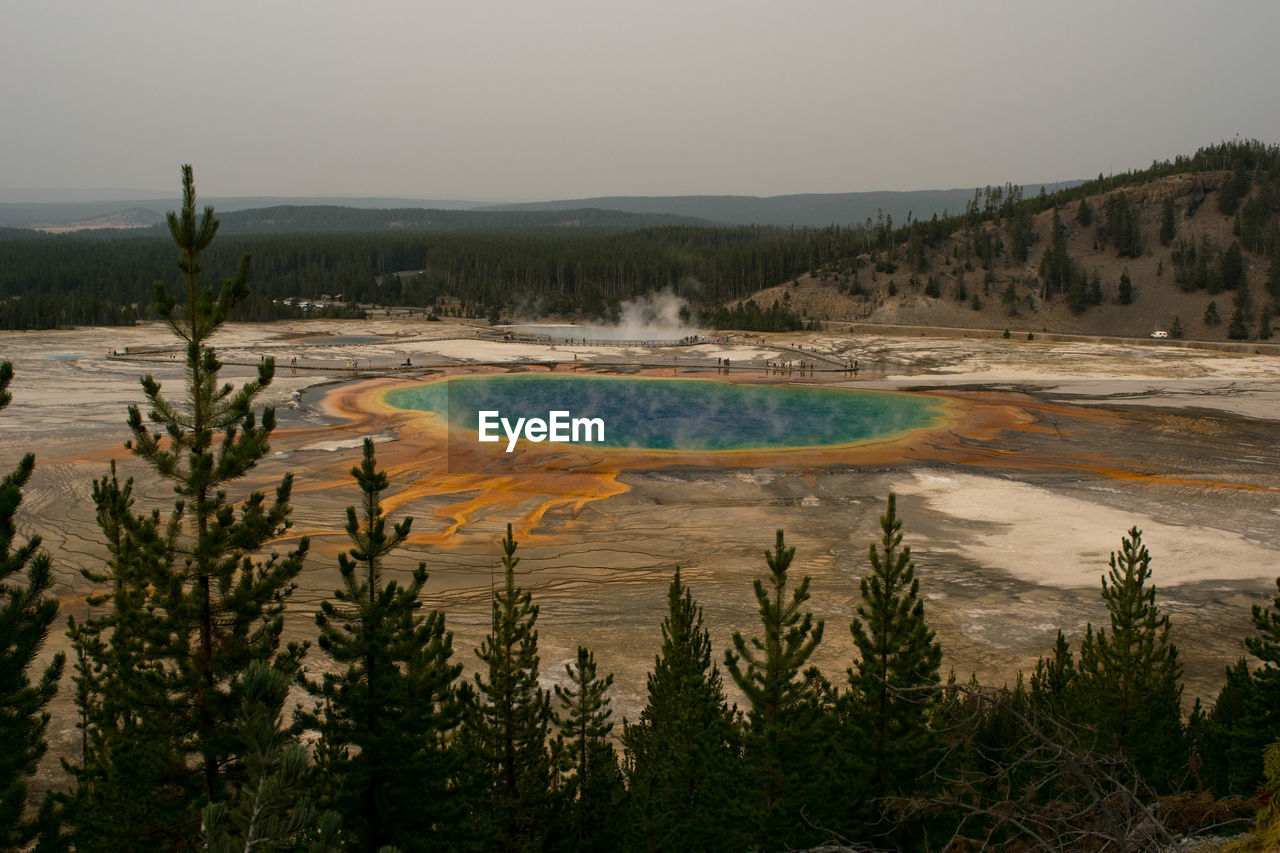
[(331, 219), (813, 210), (315, 219), (21, 214), (121, 220)]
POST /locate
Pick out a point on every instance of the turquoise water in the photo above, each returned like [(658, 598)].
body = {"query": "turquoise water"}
[(680, 414)]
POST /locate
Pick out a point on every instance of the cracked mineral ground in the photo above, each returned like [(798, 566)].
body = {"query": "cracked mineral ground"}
[(1052, 451)]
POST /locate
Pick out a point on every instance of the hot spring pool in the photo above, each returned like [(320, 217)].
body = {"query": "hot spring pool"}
[(680, 414)]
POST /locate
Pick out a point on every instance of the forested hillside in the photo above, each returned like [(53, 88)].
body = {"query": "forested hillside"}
[(74, 280), (324, 219), (807, 210), (1189, 246)]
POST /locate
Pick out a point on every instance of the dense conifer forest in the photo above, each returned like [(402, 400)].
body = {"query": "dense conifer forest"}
[(180, 682), (497, 264)]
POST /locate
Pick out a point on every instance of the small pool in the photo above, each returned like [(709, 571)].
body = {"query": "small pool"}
[(680, 414)]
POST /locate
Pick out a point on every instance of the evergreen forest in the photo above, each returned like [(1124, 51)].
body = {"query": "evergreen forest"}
[(189, 739), (582, 264)]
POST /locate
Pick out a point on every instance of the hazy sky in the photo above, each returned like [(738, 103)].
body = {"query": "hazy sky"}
[(544, 99)]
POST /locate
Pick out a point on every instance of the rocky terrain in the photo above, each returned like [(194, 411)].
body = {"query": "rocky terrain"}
[(899, 297)]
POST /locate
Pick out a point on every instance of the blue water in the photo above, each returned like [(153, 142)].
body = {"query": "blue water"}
[(680, 414), (65, 356)]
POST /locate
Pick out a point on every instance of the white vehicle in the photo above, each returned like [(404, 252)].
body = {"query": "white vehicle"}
[(1159, 334)]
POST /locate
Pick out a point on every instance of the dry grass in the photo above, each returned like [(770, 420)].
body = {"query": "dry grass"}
[(1157, 298)]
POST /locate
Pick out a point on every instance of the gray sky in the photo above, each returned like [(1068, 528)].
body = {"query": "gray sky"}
[(550, 99)]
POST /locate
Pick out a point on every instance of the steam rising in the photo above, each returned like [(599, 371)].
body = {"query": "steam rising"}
[(658, 316)]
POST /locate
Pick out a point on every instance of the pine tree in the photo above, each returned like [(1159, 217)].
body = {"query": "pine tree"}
[(1237, 328), (898, 660), (1129, 678), (1211, 316), (1259, 717), (135, 787), (1055, 264), (1053, 681), (1266, 833), (1273, 266), (1122, 226), (26, 612), (1168, 224), (780, 736), (1222, 740), (191, 604), (1229, 194), (1021, 234), (1010, 295), (389, 710), (269, 809), (1231, 266), (1243, 300), (1084, 213), (1078, 291), (594, 789), (1124, 292), (218, 583), (681, 753), (509, 720)]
